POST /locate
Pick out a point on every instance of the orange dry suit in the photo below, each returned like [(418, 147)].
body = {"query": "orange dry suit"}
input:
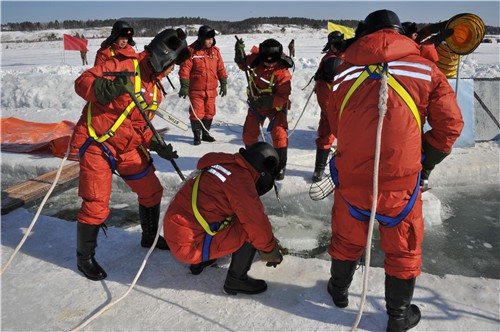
[(203, 70), (423, 93), (114, 138), (323, 88), (113, 51), (217, 211), (275, 81)]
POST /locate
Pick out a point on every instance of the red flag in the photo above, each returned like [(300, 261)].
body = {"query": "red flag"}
[(75, 44)]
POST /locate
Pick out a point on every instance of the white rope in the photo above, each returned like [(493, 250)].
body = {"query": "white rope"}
[(194, 174), (296, 123), (134, 282), (196, 116), (33, 222), (382, 108)]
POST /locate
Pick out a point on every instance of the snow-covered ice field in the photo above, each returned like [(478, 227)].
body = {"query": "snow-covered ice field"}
[(43, 291)]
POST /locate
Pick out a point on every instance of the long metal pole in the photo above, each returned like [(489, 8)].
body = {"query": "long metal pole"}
[(146, 117), (155, 133)]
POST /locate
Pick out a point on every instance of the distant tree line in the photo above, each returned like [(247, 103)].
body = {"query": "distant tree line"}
[(149, 27)]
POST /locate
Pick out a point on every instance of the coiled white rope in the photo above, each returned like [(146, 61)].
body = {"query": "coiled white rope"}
[(35, 218), (382, 109)]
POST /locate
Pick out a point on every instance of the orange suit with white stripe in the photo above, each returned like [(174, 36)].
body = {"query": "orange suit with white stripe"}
[(401, 146)]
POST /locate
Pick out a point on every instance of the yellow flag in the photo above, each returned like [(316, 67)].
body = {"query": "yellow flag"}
[(348, 32)]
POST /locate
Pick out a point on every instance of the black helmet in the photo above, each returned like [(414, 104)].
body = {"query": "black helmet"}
[(409, 28), (271, 50), (335, 38), (205, 32), (120, 29), (264, 158), (167, 47), (381, 19)]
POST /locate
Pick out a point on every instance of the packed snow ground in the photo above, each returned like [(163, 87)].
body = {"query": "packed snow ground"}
[(43, 291)]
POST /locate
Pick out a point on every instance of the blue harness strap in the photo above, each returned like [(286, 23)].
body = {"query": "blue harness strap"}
[(386, 221), (364, 215), (138, 175), (271, 123), (205, 254), (85, 147), (261, 118), (257, 115), (107, 151), (112, 161)]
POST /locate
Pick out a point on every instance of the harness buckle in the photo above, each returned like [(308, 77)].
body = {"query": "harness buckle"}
[(110, 133), (379, 70)]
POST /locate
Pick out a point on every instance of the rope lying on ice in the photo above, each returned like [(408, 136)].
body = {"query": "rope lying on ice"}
[(33, 222), (134, 282), (141, 269), (382, 108)]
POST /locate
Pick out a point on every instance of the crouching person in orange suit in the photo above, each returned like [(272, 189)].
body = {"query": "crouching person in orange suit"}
[(218, 212)]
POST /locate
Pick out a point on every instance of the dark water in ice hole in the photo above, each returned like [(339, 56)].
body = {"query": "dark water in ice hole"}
[(467, 243)]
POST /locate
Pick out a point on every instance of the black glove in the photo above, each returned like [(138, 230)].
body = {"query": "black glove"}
[(223, 87), (433, 157), (107, 90), (166, 152), (184, 91), (274, 257), (239, 49), (264, 101)]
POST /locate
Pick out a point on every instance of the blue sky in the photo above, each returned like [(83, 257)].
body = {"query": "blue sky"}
[(418, 11)]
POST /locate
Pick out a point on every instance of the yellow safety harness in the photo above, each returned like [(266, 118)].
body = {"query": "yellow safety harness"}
[(137, 90), (268, 90), (210, 229), (150, 109), (374, 71)]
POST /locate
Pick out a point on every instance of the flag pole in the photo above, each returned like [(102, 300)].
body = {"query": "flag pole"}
[(64, 53)]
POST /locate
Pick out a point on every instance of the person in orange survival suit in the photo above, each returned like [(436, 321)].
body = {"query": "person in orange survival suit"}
[(218, 212), (323, 88), (428, 51), (113, 137), (270, 88), (417, 90), (199, 77), (118, 45)]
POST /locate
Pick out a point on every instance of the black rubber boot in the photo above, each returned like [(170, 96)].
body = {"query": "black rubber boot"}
[(237, 280), (198, 268), (86, 241), (319, 168), (205, 136), (196, 127), (149, 224), (338, 285), (282, 153), (402, 314)]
